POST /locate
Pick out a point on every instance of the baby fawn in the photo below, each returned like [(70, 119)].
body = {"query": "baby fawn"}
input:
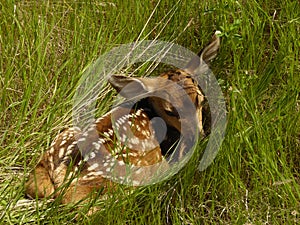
[(79, 163)]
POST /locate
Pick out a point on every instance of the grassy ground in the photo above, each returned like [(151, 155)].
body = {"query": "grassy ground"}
[(46, 45)]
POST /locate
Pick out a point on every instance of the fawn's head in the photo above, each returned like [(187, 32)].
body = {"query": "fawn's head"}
[(164, 93)]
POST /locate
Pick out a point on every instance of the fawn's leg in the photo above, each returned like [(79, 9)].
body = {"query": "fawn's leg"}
[(81, 189), (39, 183), (51, 169)]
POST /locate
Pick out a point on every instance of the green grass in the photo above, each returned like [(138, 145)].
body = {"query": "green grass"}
[(46, 45)]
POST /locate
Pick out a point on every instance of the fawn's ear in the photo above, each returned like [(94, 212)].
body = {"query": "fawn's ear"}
[(128, 87), (206, 54)]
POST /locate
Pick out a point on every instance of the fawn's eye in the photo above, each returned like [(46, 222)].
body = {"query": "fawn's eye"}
[(172, 113)]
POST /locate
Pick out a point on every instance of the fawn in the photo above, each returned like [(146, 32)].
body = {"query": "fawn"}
[(82, 161)]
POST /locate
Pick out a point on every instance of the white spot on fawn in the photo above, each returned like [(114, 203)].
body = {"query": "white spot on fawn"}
[(76, 129), (92, 155), (92, 167), (85, 135), (61, 152), (122, 120), (133, 154), (123, 138), (138, 128), (134, 140), (144, 133), (96, 145), (81, 139), (98, 173), (111, 132), (101, 141), (121, 163), (129, 145), (51, 162), (138, 113), (51, 151), (144, 122)]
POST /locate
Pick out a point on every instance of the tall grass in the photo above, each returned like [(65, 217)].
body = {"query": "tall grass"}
[(46, 45)]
